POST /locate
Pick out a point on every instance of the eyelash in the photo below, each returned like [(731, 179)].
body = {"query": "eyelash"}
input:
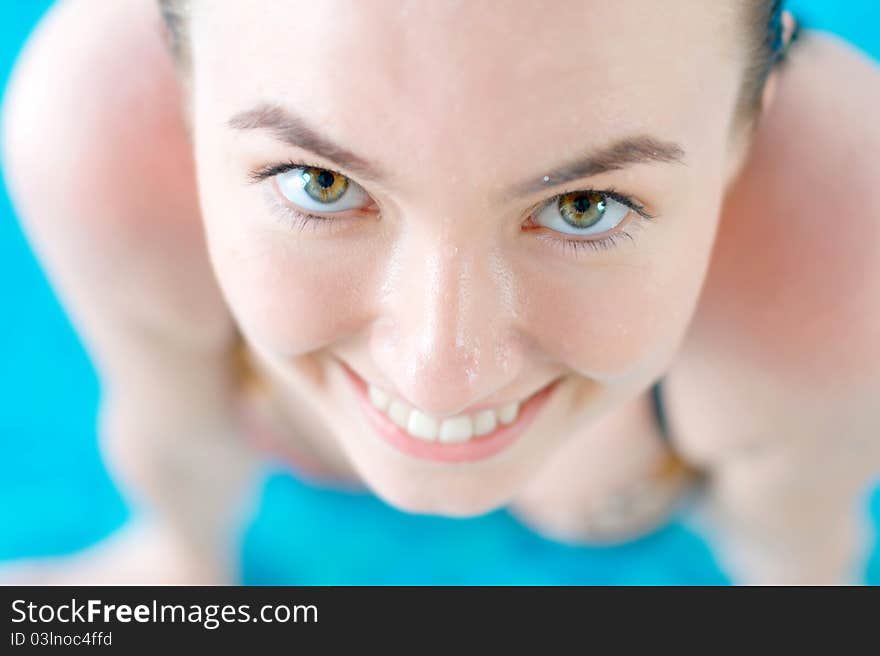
[(303, 220)]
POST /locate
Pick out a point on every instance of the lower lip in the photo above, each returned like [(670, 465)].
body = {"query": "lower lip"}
[(477, 448)]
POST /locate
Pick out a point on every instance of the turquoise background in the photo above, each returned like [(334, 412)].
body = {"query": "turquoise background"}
[(56, 496)]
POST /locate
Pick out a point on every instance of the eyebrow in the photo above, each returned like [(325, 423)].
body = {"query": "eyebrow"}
[(292, 130)]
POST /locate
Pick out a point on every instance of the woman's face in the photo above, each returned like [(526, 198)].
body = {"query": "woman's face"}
[(462, 258)]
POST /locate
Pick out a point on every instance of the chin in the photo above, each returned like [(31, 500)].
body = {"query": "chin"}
[(459, 507), (457, 491)]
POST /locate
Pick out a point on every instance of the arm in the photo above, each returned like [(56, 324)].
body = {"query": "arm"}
[(98, 165), (776, 388)]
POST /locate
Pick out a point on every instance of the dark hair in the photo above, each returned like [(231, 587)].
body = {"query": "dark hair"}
[(768, 48), (763, 18), (174, 13)]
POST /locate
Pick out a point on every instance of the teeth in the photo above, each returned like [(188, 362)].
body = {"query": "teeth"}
[(379, 398), (456, 429), (507, 413), (399, 413), (423, 426), (485, 422)]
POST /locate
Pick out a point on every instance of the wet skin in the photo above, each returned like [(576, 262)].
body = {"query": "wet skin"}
[(440, 295)]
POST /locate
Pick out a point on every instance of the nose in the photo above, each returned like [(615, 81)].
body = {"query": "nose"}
[(446, 337)]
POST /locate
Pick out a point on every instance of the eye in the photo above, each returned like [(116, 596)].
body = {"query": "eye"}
[(320, 190), (582, 213)]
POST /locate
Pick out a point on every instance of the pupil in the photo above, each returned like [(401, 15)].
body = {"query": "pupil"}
[(582, 204), (325, 179)]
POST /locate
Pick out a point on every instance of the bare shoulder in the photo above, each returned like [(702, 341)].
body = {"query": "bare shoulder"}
[(785, 338), (100, 169)]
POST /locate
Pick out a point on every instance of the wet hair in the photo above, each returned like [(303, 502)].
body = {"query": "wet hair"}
[(767, 49), (763, 19), (174, 13)]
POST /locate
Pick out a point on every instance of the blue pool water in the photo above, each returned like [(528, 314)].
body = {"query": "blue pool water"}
[(56, 496)]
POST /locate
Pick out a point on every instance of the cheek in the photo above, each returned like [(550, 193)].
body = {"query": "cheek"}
[(300, 302), (613, 317), (291, 295), (603, 325)]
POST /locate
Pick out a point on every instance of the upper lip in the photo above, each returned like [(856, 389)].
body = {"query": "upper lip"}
[(471, 409)]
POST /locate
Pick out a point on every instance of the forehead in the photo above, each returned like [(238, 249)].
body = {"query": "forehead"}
[(454, 80)]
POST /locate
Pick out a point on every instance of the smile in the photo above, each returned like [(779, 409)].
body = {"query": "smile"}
[(460, 438)]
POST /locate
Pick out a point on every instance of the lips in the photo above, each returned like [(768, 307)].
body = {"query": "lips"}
[(461, 438)]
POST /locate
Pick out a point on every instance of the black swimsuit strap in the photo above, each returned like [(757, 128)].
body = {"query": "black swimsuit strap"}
[(659, 412)]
